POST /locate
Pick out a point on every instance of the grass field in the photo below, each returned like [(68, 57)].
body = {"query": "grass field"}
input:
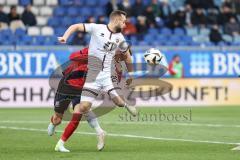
[(208, 134)]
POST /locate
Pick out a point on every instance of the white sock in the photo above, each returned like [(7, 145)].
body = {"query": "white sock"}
[(95, 125), (51, 124), (61, 142)]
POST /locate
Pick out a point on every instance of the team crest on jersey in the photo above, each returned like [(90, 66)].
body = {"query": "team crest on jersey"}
[(117, 40)]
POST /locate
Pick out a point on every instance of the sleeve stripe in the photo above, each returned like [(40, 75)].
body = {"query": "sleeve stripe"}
[(130, 51), (84, 28)]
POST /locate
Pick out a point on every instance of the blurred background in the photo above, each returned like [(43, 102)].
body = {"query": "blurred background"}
[(200, 39)]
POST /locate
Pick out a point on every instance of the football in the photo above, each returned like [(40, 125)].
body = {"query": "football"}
[(153, 56)]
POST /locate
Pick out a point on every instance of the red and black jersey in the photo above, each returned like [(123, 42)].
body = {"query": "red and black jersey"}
[(76, 71)]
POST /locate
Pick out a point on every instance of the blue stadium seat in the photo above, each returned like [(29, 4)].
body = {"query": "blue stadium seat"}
[(156, 43), (78, 3), (8, 42), (35, 42), (6, 32), (133, 40), (78, 19), (181, 43), (50, 40), (86, 11), (24, 2), (92, 3), (20, 32), (228, 38), (25, 40), (222, 44), (54, 22), (143, 43), (72, 11), (166, 31), (175, 39), (149, 38), (194, 44), (1, 39), (66, 2), (218, 3), (40, 39), (235, 44), (59, 31), (133, 20), (209, 44), (236, 39), (98, 11), (204, 31), (59, 11), (7, 37), (162, 38), (102, 3), (192, 31), (66, 21), (169, 43), (187, 39), (179, 31), (153, 31)]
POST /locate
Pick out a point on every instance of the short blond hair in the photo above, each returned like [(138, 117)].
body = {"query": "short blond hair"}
[(117, 13)]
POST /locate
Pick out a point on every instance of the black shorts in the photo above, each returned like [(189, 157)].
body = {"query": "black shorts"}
[(61, 102), (64, 96)]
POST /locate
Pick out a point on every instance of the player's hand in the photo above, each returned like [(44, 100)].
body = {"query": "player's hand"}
[(129, 81), (62, 40)]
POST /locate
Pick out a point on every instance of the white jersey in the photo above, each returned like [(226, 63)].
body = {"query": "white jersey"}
[(102, 47)]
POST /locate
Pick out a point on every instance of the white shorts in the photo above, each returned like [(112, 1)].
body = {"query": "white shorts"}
[(97, 82)]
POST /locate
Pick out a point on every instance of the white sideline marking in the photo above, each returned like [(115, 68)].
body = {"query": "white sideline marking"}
[(140, 123), (127, 136)]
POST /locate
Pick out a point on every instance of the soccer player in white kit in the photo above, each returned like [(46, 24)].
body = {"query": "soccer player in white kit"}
[(105, 40)]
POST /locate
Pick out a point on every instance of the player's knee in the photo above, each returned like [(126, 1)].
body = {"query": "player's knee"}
[(119, 103), (84, 107)]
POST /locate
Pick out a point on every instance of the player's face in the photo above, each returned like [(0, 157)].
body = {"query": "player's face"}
[(177, 59), (121, 23)]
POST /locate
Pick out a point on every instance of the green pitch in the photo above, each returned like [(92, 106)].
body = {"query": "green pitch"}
[(190, 134)]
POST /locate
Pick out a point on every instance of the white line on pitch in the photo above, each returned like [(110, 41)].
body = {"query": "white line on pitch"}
[(140, 123), (128, 136)]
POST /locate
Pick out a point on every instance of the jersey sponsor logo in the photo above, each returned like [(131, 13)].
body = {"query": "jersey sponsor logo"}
[(109, 46)]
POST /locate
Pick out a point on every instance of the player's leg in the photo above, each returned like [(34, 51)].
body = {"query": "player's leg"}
[(56, 119), (79, 110), (119, 101), (86, 101), (93, 122), (61, 103), (113, 88)]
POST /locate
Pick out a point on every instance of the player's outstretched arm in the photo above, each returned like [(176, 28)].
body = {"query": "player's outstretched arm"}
[(73, 28)]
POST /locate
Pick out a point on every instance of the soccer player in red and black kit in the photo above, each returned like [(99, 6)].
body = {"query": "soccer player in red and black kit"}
[(69, 91)]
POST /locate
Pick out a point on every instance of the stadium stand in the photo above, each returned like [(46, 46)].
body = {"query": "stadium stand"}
[(54, 16)]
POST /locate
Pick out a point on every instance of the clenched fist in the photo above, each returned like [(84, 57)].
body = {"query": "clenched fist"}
[(62, 40)]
